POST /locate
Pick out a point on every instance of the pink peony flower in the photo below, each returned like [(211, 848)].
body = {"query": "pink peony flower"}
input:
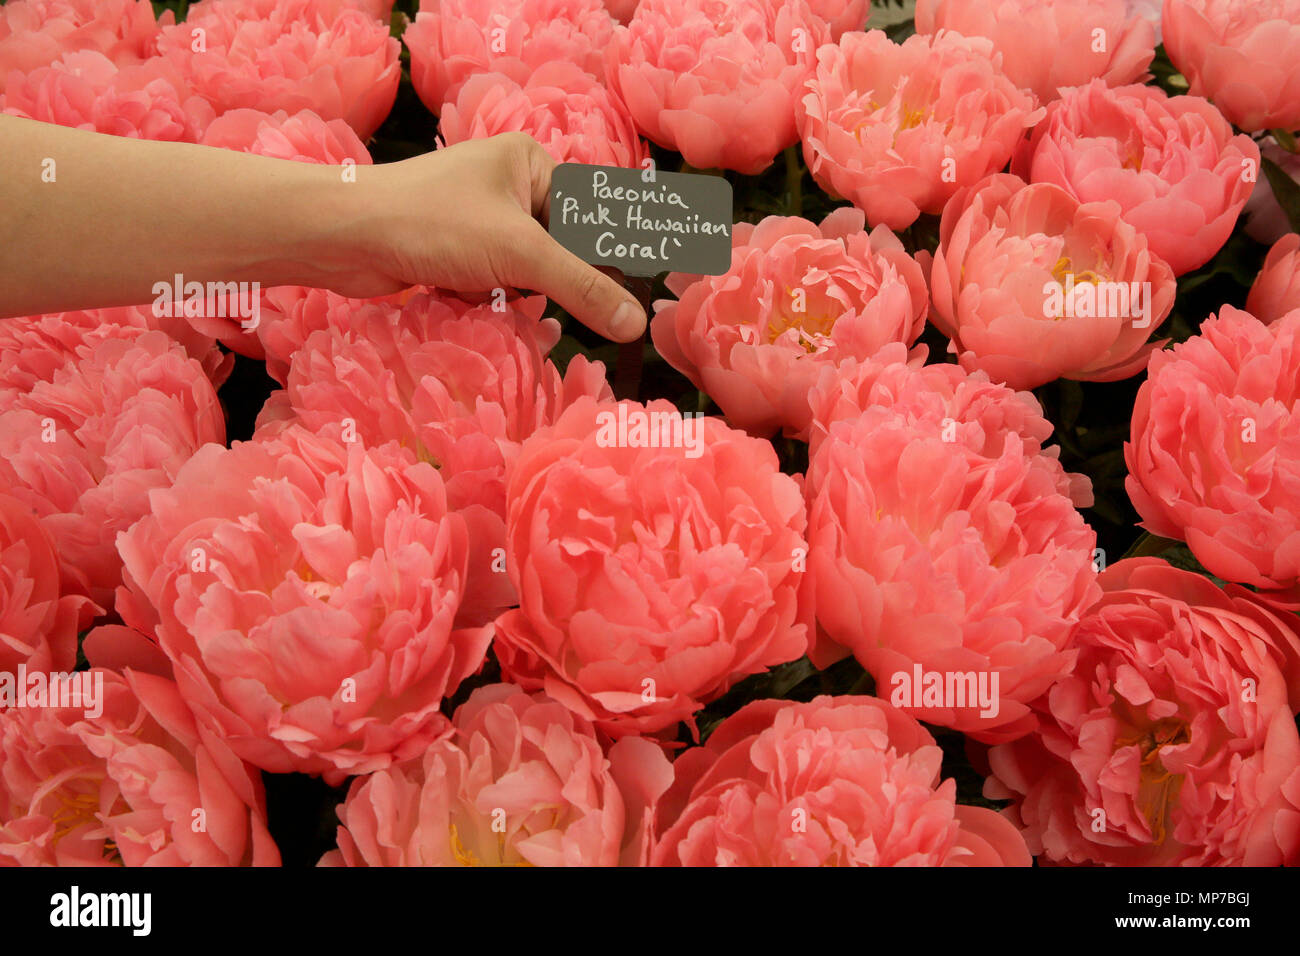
[(38, 625), (86, 90), (1031, 285), (326, 56), (463, 386), (35, 33), (839, 781), (522, 783), (1049, 44), (797, 299), (565, 109), (657, 559), (1215, 453), (716, 80), (1242, 54), (842, 15), (1172, 743), (928, 557), (303, 137), (85, 439), (897, 129), (1277, 287), (453, 40), (138, 784), (305, 592), (1172, 163)]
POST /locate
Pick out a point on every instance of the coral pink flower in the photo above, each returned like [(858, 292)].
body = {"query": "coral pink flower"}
[(1172, 163), (35, 33), (657, 559), (326, 56), (1277, 287), (38, 626), (1048, 44), (1242, 54), (928, 556), (842, 15), (897, 129), (839, 781), (303, 137), (797, 299), (1172, 743), (85, 439), (522, 783), (1031, 285), (452, 40), (461, 385), (565, 109), (716, 80), (86, 90), (305, 592), (138, 784), (1215, 455)]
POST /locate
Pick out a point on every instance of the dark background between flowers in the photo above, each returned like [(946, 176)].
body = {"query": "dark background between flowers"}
[(1091, 419)]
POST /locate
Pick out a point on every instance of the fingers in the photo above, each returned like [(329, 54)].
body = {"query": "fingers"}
[(587, 294)]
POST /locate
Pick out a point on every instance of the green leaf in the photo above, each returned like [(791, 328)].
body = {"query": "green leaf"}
[(1285, 190)]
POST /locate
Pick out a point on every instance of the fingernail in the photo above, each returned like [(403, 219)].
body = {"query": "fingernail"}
[(626, 322)]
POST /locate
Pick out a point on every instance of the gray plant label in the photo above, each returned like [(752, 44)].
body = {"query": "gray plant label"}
[(673, 222)]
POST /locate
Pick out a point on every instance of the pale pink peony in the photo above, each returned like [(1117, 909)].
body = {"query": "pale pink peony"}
[(35, 33), (842, 15), (650, 579), (326, 56), (38, 625), (1276, 290), (463, 386), (897, 129), (927, 554), (1179, 174), (798, 299), (86, 434), (1266, 220), (138, 785), (1049, 44), (523, 782), (565, 109), (453, 40), (1010, 254), (86, 90), (1173, 742), (305, 592), (1242, 54), (716, 80), (1215, 455), (838, 781)]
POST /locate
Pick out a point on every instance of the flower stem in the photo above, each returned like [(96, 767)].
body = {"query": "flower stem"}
[(793, 182)]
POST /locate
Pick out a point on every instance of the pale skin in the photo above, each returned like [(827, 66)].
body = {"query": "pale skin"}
[(123, 214)]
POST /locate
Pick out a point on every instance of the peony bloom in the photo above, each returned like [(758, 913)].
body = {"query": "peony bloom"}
[(657, 559), (86, 90), (839, 781), (139, 784), (927, 557), (463, 386), (453, 40), (38, 625), (1179, 174), (897, 129), (523, 782), (798, 299), (87, 434), (716, 80), (1172, 743), (1049, 44), (568, 111), (303, 137), (1215, 455), (35, 33), (1277, 287), (1031, 285), (305, 592), (841, 16), (1242, 54), (326, 56)]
